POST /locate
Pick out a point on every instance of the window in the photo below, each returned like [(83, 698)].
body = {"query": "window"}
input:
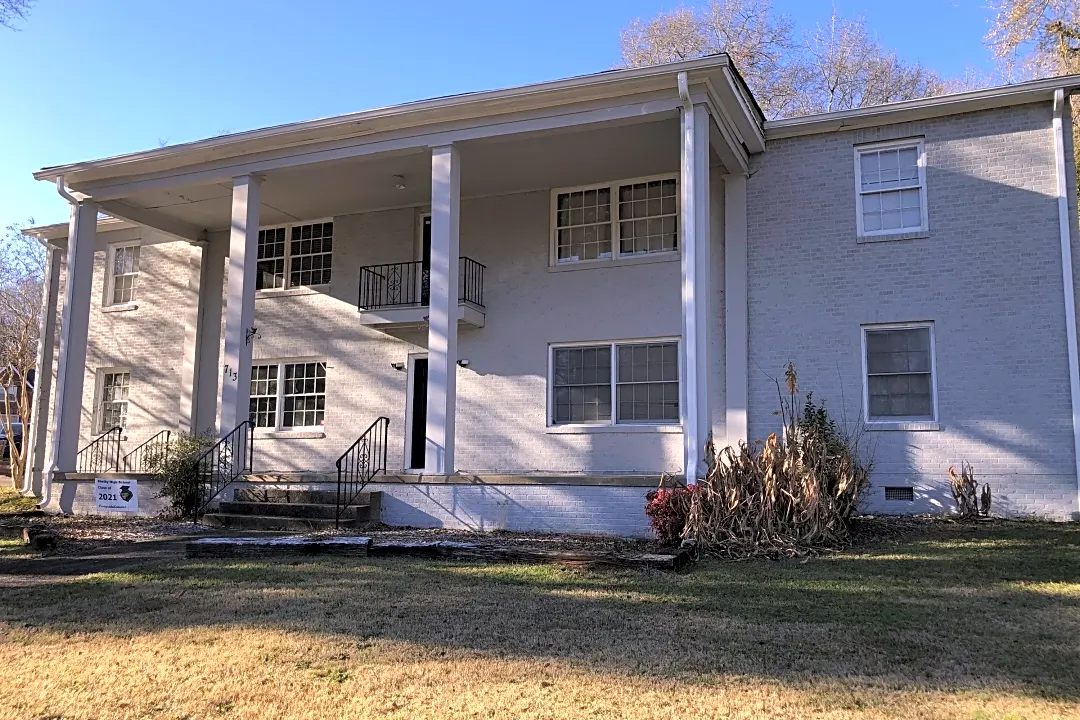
[(288, 395), (890, 181), (621, 219), (112, 407), (644, 382), (306, 250), (899, 364), (123, 274)]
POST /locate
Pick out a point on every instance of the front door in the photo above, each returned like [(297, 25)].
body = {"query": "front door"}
[(418, 413)]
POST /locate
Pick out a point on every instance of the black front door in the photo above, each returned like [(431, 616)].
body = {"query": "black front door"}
[(419, 414), (425, 265)]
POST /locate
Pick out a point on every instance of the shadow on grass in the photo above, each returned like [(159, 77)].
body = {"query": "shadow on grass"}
[(961, 608)]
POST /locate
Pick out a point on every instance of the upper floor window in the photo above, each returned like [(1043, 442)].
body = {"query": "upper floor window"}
[(899, 379), (890, 184), (294, 256), (622, 219), (122, 273)]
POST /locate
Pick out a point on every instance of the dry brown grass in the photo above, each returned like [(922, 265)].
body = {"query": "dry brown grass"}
[(961, 623)]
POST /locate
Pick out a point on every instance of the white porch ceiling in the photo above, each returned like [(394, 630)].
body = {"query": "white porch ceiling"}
[(489, 167)]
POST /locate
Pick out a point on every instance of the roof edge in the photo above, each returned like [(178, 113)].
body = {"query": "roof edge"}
[(59, 231), (922, 108)]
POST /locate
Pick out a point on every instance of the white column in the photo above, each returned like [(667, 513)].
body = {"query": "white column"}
[(736, 315), (74, 323), (442, 315), (189, 370), (694, 219), (240, 302), (35, 435)]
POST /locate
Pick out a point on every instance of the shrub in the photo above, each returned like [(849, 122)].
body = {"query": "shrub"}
[(177, 467), (668, 510), (786, 495), (970, 503)]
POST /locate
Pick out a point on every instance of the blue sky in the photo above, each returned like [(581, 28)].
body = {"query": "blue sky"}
[(84, 80)]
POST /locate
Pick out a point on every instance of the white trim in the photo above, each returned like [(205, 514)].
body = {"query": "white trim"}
[(280, 430), (897, 423), (410, 390), (1065, 231), (920, 146), (110, 276), (612, 423), (613, 200)]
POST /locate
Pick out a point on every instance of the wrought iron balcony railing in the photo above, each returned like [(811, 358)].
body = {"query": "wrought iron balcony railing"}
[(409, 284)]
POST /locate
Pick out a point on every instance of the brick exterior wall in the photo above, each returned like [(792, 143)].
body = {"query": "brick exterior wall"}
[(988, 275)]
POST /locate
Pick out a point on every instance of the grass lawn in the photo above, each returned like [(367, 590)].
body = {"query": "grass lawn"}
[(11, 501), (958, 622)]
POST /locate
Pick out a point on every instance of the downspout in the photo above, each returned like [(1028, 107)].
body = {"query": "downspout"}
[(1065, 229), (46, 479)]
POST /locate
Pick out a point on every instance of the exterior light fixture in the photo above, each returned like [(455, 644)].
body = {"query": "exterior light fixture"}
[(463, 362), (399, 182), (399, 366)]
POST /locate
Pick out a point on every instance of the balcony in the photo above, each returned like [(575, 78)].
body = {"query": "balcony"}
[(398, 294)]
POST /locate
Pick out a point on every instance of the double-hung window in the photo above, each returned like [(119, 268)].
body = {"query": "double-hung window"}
[(890, 188), (295, 256), (113, 392), (122, 273), (288, 395), (899, 373), (616, 220), (615, 383)]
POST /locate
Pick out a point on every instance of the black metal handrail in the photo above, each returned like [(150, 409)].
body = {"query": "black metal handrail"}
[(224, 462), (409, 284), (361, 462), (102, 454), (135, 461)]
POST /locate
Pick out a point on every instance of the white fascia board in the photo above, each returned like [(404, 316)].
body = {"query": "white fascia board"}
[(57, 233), (609, 84), (922, 109)]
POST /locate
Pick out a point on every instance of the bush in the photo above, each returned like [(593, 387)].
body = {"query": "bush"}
[(783, 496), (176, 466), (668, 510)]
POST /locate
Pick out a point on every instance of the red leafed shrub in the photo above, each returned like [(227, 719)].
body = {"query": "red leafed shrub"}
[(668, 509)]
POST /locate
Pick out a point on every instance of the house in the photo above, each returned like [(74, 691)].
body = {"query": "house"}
[(555, 293)]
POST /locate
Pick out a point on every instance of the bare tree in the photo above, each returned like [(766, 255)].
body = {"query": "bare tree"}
[(22, 272), (13, 10), (1036, 38), (836, 67), (845, 67)]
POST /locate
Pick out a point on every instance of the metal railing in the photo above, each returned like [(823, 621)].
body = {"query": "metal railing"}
[(157, 446), (361, 462), (224, 462), (102, 454), (409, 284)]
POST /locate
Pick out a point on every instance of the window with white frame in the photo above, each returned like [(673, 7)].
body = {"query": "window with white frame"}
[(643, 380), (288, 395), (899, 378), (610, 221), (890, 180), (113, 393), (122, 274), (295, 256)]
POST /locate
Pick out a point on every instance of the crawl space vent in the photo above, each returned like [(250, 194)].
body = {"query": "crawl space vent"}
[(900, 493)]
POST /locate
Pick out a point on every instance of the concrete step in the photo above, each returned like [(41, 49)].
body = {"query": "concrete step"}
[(295, 510), (270, 522), (306, 497)]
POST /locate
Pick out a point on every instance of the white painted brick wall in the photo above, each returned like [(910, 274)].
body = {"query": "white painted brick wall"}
[(988, 275)]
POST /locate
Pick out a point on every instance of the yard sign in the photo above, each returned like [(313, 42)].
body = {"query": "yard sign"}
[(116, 495)]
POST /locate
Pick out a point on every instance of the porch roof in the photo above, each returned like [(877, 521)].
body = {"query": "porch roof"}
[(715, 70)]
